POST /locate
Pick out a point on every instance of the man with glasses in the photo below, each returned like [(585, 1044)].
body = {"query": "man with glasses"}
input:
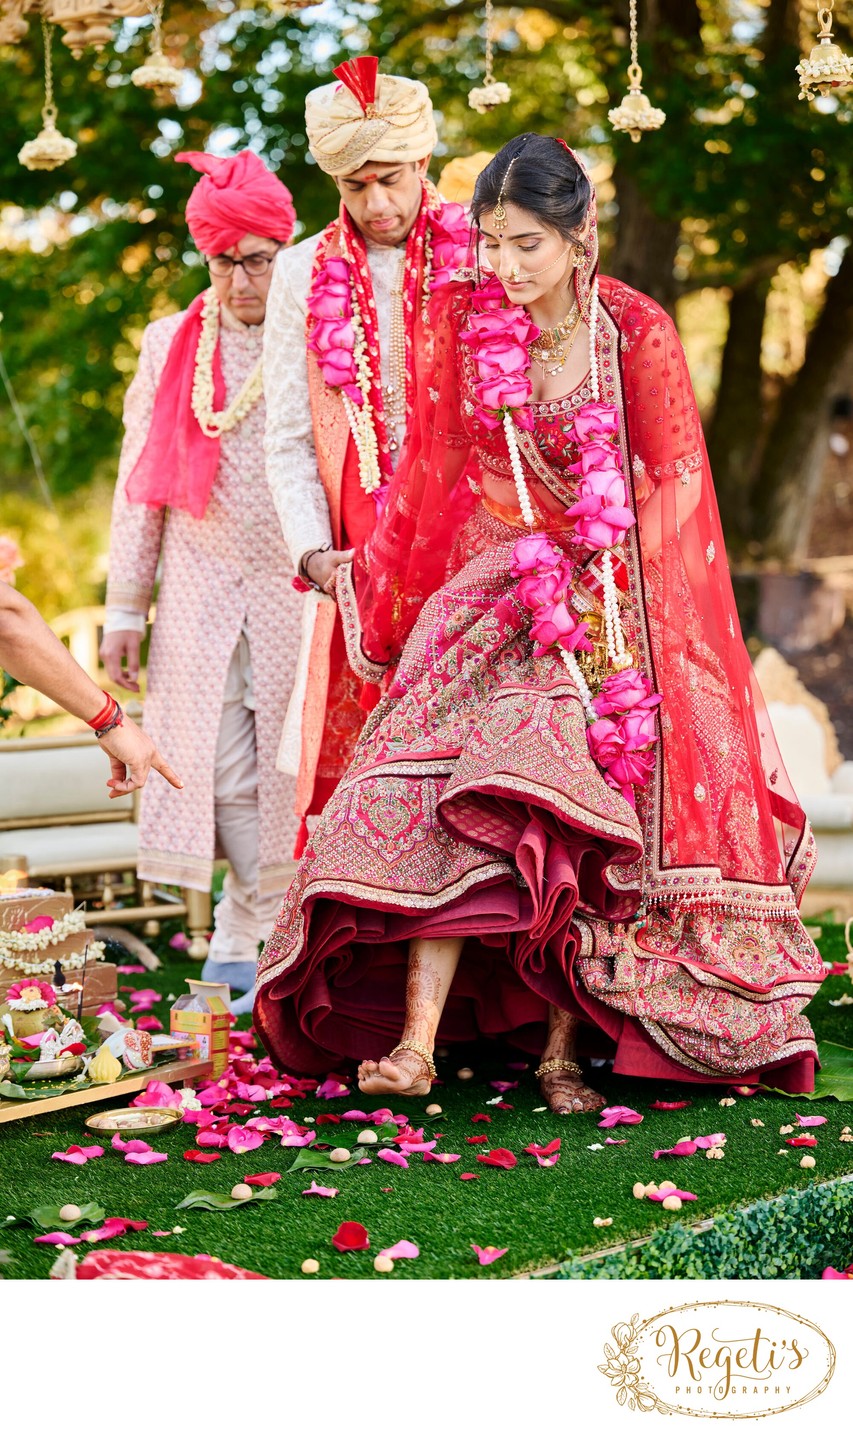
[(337, 406), (192, 497)]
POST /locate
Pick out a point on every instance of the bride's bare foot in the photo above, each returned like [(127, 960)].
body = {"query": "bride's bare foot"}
[(406, 1074), (565, 1092)]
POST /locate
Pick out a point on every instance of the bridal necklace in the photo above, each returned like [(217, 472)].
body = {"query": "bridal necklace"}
[(553, 348)]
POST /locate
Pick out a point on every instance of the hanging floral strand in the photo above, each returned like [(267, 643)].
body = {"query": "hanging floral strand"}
[(492, 92), (827, 67), (636, 113), (50, 148), (157, 73)]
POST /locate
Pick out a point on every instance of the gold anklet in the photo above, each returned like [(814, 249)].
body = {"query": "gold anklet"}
[(421, 1051), (558, 1065)]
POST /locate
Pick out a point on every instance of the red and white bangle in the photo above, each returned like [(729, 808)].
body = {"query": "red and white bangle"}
[(111, 716)]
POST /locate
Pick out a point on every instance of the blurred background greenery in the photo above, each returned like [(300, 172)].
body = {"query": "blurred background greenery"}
[(737, 216)]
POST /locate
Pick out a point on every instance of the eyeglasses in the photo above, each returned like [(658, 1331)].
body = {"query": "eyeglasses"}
[(222, 265)]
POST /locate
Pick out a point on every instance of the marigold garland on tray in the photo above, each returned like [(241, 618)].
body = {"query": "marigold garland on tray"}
[(343, 330), (621, 713)]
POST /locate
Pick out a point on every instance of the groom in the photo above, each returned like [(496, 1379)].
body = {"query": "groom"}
[(338, 375)]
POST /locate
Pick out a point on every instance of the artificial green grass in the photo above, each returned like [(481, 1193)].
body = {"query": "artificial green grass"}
[(544, 1216)]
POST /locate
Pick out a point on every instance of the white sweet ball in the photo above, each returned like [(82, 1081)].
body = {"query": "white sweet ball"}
[(807, 1161), (241, 1190), (672, 1203), (465, 1074), (383, 1264), (340, 1155), (433, 1110), (366, 1137), (667, 1187), (70, 1212), (310, 1265), (639, 1190)]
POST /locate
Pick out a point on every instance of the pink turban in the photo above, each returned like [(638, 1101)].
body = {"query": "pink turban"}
[(236, 197)]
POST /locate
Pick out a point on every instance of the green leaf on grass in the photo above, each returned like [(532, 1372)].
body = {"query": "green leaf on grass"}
[(835, 1079), (48, 1219), (221, 1202), (310, 1158)]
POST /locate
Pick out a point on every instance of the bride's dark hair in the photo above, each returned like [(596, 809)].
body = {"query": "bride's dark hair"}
[(545, 180)]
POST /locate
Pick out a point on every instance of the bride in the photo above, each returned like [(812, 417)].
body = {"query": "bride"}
[(567, 822)]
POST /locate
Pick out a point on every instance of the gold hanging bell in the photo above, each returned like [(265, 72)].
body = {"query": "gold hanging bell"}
[(636, 114), (492, 92), (157, 73), (50, 148), (827, 67)]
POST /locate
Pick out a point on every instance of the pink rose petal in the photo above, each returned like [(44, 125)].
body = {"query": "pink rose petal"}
[(810, 1122), (681, 1150), (244, 1140), (610, 1117), (389, 1156), (441, 1157), (316, 1190), (673, 1192), (487, 1255), (149, 1025), (57, 1239), (143, 1159), (401, 1249), (78, 1158), (615, 1142)]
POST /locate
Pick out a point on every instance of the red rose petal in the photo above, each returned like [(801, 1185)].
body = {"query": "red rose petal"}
[(671, 1107), (193, 1155), (481, 1118), (498, 1158), (351, 1237), (480, 1138), (468, 1177), (262, 1180)]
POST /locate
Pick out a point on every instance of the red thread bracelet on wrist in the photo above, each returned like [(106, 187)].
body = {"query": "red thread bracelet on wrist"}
[(105, 713)]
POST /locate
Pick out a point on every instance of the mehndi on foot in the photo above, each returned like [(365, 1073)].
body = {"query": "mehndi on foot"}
[(562, 1086)]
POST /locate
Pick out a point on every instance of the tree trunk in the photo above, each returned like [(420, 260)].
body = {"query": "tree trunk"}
[(734, 433), (792, 464), (644, 253)]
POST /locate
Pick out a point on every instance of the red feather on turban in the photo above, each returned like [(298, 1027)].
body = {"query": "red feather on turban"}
[(236, 197)]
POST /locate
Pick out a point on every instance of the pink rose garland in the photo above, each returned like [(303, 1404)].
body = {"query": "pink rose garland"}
[(622, 737)]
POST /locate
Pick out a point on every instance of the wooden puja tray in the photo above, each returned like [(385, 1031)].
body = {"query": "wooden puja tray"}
[(176, 1074)]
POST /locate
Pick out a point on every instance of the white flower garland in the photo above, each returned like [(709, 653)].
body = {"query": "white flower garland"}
[(213, 422), (32, 969), (19, 941)]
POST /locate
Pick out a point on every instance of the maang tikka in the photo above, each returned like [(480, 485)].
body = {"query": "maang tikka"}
[(499, 215)]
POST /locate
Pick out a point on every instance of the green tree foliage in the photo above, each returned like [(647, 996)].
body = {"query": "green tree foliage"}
[(742, 179)]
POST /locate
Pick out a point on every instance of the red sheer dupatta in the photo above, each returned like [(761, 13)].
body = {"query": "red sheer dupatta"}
[(429, 499), (724, 828)]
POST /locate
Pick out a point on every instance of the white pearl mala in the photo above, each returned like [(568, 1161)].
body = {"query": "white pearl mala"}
[(593, 357), (521, 490), (617, 653), (581, 684)]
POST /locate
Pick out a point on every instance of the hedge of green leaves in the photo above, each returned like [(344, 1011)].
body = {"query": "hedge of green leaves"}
[(795, 1235)]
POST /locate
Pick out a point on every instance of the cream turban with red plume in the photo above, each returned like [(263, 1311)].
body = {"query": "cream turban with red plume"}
[(368, 117), (236, 197)]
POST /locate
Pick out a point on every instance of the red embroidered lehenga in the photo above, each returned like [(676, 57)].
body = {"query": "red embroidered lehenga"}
[(473, 807)]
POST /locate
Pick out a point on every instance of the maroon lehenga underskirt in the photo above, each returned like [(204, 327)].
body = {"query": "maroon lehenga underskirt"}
[(473, 808)]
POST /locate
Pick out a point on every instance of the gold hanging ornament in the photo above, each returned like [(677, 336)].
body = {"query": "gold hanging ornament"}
[(50, 148), (492, 92), (636, 114), (157, 73), (827, 67)]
